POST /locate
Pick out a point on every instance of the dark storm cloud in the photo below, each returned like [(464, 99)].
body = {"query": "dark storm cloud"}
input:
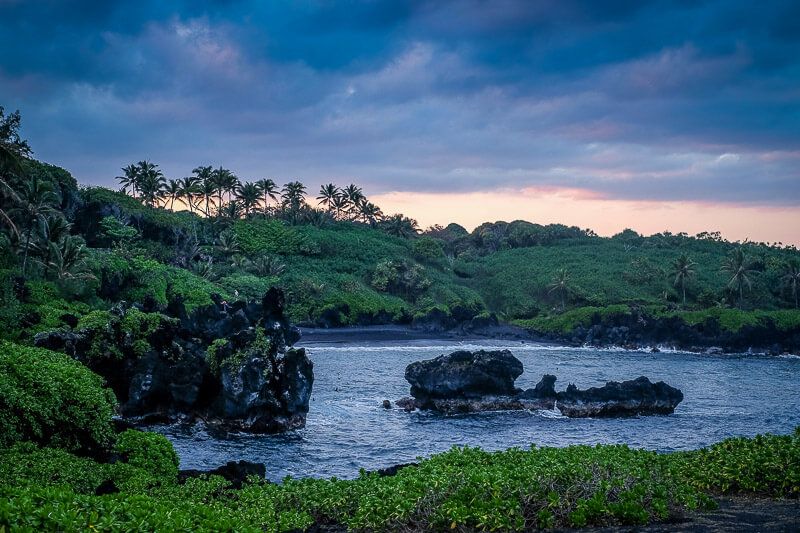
[(627, 99)]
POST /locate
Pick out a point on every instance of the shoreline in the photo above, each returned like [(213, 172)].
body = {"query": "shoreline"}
[(398, 333)]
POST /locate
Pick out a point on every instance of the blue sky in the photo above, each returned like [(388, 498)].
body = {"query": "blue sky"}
[(663, 101)]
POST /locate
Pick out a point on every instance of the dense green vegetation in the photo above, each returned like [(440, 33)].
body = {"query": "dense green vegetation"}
[(67, 251), (69, 255), (463, 489)]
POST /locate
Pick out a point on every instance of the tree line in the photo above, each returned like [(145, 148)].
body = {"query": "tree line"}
[(219, 193), (738, 268)]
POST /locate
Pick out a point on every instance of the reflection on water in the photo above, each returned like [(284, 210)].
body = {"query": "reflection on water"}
[(347, 429)]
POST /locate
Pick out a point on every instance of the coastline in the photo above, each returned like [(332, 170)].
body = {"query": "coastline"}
[(506, 332)]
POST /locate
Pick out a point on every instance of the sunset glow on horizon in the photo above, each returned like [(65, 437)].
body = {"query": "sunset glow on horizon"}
[(604, 216)]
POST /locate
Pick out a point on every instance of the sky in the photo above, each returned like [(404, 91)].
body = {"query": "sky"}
[(654, 115)]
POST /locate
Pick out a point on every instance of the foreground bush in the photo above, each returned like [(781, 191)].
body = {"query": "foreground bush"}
[(463, 489), (48, 398)]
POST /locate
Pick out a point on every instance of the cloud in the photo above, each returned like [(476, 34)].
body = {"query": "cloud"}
[(621, 100)]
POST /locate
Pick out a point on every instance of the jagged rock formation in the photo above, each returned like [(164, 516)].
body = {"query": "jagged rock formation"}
[(228, 364), (465, 382)]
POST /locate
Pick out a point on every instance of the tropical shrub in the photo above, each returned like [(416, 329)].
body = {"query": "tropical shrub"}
[(48, 398)]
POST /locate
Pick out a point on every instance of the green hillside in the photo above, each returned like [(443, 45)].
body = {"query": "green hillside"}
[(67, 250)]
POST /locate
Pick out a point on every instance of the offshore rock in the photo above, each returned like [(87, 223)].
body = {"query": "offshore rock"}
[(628, 398), (464, 374), (465, 382)]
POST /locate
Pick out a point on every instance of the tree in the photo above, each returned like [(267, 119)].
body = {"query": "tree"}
[(248, 194), (206, 190), (13, 149), (327, 193), (172, 191), (129, 179), (682, 270), (226, 183), (354, 198), (269, 189), (339, 203), (740, 269), (189, 188), (791, 278), (36, 199), (68, 259), (561, 285), (370, 212), (52, 228), (151, 182), (293, 194), (401, 226)]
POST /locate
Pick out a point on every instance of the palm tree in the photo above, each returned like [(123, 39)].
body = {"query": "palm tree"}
[(791, 278), (292, 194), (265, 265), (172, 191), (226, 183), (340, 203), (68, 259), (327, 193), (129, 179), (354, 197), (740, 269), (52, 228), (682, 270), (189, 189), (206, 190), (151, 182), (560, 284), (269, 189), (401, 226), (248, 194), (370, 212), (36, 199), (228, 243)]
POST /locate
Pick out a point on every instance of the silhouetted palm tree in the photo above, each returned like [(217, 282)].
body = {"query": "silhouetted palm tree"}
[(327, 193), (206, 190), (370, 212), (172, 191), (225, 182), (339, 204), (791, 278), (129, 179), (561, 285), (248, 194), (269, 189), (740, 269), (293, 195), (354, 197), (189, 190), (401, 226), (682, 270), (150, 182)]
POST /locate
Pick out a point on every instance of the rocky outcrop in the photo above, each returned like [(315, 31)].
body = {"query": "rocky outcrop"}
[(228, 364), (464, 374), (629, 398), (465, 382)]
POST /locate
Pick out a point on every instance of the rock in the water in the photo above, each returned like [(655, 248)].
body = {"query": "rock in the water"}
[(465, 382), (464, 374), (629, 398)]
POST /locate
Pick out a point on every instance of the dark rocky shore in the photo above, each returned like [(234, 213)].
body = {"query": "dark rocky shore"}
[(465, 382), (231, 365)]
